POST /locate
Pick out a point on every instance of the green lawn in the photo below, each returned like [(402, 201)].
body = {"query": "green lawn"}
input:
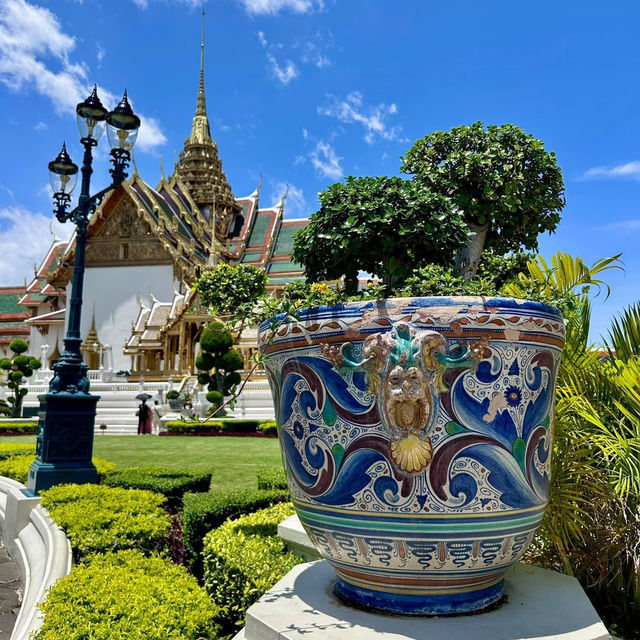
[(234, 462)]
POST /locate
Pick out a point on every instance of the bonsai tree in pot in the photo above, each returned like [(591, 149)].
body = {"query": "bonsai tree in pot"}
[(429, 415)]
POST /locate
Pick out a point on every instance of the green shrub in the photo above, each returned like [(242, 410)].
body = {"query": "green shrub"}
[(18, 427), (10, 449), (232, 425), (202, 512), (127, 596), (98, 518), (242, 560), (17, 467), (182, 426), (172, 395), (170, 483), (272, 478), (269, 428)]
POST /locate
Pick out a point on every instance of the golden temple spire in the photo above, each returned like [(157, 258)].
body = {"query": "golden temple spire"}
[(200, 132), (201, 105)]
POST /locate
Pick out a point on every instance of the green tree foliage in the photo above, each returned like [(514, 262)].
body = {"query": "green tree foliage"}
[(232, 289), (18, 368), (591, 529), (218, 363), (386, 226), (502, 179)]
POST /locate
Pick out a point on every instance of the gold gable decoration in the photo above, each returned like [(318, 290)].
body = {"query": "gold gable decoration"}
[(125, 239)]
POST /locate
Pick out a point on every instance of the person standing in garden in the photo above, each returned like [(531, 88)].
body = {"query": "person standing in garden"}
[(144, 418)]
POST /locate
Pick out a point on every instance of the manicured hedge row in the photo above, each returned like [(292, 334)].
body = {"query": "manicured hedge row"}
[(98, 518), (11, 449), (127, 596), (242, 560), (203, 512), (18, 427), (228, 425), (170, 483), (272, 478), (269, 428), (17, 467)]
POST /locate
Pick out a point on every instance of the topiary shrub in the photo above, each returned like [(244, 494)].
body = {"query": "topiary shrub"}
[(272, 478), (17, 467), (127, 596), (218, 363), (202, 512), (98, 518), (18, 368), (242, 560), (170, 483)]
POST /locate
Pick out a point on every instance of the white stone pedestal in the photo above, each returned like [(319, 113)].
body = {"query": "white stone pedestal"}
[(541, 605)]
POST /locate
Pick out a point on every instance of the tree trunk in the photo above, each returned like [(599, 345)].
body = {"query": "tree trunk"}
[(467, 258)]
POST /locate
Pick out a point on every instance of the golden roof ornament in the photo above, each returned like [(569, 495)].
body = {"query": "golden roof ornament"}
[(199, 167)]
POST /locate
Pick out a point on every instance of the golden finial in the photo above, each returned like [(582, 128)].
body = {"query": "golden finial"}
[(162, 170), (201, 107)]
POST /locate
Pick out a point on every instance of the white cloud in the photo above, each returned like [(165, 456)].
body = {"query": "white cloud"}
[(101, 53), (295, 205), (35, 56), (627, 171), (326, 162), (315, 49), (372, 118), (40, 126), (284, 73), (272, 7), (623, 226), (25, 237)]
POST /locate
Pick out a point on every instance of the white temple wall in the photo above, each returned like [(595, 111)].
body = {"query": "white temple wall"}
[(113, 292)]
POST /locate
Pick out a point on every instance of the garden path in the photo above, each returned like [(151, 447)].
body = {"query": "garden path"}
[(10, 592)]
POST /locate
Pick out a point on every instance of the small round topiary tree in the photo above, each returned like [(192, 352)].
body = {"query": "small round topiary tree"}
[(18, 368), (218, 363)]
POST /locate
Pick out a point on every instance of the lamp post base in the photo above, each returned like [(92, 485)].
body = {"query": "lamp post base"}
[(65, 441)]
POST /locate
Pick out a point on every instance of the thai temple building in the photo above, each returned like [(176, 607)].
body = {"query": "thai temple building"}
[(146, 246)]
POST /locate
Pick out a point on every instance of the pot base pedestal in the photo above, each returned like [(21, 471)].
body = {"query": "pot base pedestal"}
[(539, 604)]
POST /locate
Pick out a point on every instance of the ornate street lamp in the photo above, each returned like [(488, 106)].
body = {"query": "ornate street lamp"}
[(67, 412)]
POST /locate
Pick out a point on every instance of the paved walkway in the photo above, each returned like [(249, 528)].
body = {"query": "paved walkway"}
[(10, 592)]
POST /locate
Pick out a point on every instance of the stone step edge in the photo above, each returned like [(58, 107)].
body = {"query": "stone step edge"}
[(38, 546)]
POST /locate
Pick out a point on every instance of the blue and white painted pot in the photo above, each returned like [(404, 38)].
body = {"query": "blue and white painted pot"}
[(416, 438)]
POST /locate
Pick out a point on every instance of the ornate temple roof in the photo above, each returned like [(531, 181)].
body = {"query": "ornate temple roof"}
[(12, 315), (200, 167)]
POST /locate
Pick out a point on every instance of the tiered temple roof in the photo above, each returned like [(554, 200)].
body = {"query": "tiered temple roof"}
[(44, 301), (192, 221), (12, 316)]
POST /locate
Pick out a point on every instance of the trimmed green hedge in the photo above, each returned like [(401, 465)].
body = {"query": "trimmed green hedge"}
[(17, 467), (18, 427), (203, 512), (272, 478), (127, 596), (11, 449), (242, 560), (170, 483), (230, 425), (269, 428), (98, 518)]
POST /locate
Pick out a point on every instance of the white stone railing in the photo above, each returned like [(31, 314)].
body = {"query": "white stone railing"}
[(37, 545)]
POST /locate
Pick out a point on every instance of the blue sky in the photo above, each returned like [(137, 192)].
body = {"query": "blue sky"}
[(304, 92)]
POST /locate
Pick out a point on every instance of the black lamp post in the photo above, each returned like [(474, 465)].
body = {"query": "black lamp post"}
[(67, 412)]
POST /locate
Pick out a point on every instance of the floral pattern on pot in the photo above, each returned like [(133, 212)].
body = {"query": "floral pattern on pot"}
[(416, 435)]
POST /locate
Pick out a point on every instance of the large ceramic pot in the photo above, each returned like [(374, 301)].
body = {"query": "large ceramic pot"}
[(416, 437)]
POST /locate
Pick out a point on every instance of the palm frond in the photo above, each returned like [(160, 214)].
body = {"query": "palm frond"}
[(623, 341)]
